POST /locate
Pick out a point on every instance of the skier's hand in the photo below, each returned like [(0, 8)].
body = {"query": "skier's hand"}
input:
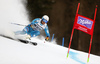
[(47, 38), (28, 37)]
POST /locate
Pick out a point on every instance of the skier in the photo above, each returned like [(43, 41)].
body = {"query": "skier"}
[(33, 29)]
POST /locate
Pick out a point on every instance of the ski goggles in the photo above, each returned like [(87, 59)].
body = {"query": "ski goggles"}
[(44, 20)]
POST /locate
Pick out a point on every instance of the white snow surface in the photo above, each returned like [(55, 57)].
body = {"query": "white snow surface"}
[(14, 52)]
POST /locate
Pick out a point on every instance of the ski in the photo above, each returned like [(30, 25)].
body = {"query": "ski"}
[(26, 41), (20, 40)]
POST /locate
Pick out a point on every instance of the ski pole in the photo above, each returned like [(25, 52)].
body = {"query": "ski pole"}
[(18, 24), (52, 37), (63, 41)]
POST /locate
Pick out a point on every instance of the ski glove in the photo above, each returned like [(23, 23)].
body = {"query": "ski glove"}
[(28, 37), (47, 38)]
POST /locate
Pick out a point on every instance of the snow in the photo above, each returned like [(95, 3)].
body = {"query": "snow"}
[(14, 52)]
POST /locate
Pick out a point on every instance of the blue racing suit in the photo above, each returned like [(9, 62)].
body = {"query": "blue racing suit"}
[(35, 27)]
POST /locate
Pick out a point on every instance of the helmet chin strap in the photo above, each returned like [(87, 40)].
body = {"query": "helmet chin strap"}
[(42, 22)]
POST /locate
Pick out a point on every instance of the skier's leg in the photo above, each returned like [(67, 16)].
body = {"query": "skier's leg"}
[(24, 31), (19, 32), (34, 33)]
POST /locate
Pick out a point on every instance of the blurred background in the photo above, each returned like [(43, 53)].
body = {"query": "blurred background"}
[(62, 14)]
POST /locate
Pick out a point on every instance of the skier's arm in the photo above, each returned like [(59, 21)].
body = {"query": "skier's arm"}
[(47, 33), (35, 21)]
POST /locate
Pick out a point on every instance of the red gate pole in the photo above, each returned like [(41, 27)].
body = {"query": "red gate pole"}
[(72, 31), (89, 48), (95, 12), (92, 34)]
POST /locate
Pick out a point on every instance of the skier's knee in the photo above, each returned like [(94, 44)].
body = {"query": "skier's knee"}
[(26, 29), (36, 34)]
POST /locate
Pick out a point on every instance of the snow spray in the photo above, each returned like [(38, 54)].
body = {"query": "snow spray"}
[(12, 11)]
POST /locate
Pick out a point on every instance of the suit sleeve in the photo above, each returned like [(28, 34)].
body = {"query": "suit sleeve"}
[(47, 31), (35, 21)]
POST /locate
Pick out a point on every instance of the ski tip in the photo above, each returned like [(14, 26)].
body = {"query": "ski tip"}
[(34, 43)]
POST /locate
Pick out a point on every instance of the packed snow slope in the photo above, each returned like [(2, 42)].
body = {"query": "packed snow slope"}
[(14, 52)]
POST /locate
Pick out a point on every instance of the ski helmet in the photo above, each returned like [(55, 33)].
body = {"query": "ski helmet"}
[(45, 18)]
